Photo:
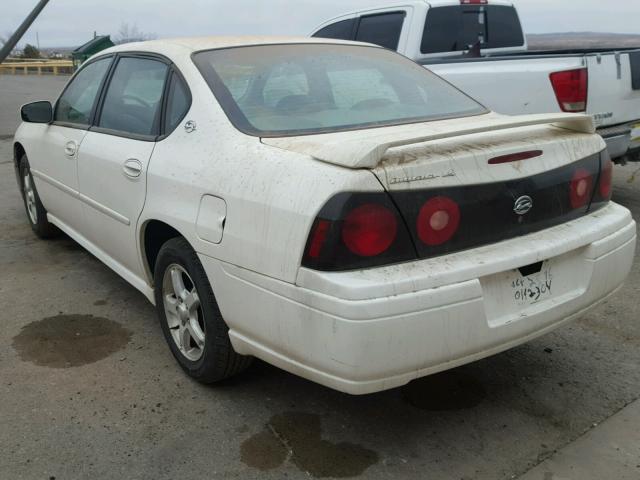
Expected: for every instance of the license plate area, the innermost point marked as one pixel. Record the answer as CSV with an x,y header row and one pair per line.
x,y
522,292
531,287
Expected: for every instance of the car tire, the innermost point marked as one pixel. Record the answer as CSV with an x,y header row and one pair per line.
x,y
193,325
36,213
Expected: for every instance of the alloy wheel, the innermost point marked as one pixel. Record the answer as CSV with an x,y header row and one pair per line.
x,y
30,198
183,312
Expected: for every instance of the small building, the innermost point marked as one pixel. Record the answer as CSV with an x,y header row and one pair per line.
x,y
93,46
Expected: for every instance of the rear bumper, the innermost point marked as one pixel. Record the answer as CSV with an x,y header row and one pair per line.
x,y
618,139
371,330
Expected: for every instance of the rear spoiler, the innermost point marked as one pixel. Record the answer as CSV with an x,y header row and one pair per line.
x,y
366,148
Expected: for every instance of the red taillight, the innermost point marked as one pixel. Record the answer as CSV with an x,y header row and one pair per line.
x,y
571,88
318,237
581,188
369,230
606,180
474,2
356,230
438,221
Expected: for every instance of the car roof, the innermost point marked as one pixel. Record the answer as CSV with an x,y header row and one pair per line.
x,y
193,44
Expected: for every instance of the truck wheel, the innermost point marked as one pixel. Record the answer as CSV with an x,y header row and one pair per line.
x,y
190,317
36,213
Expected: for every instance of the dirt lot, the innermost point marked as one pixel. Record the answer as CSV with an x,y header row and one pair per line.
x,y
108,400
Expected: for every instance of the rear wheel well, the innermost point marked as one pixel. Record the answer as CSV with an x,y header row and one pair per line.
x,y
18,152
156,234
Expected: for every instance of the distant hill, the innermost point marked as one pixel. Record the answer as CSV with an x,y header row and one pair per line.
x,y
556,41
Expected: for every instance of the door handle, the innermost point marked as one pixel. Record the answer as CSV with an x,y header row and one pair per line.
x,y
70,148
132,168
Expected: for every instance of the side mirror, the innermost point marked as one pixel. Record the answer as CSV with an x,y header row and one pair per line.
x,y
37,112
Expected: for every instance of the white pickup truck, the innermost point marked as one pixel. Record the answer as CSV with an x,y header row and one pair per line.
x,y
480,47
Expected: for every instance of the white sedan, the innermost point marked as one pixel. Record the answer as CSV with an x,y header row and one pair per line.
x,y
329,207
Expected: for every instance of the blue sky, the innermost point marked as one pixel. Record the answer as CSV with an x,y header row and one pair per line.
x,y
72,22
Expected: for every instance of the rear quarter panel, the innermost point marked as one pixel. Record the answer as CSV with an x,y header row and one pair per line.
x,y
272,196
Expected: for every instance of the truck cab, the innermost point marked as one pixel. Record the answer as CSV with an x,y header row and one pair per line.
x,y
422,30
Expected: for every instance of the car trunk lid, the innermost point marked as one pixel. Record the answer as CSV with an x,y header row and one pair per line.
x,y
468,182
366,148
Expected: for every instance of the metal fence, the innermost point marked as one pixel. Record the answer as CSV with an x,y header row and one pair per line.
x,y
28,66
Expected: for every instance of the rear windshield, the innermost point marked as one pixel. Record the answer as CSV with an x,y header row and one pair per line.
x,y
295,89
457,28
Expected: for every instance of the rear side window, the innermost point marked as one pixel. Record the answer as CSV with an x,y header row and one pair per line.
x,y
77,101
383,29
457,28
133,99
178,103
342,30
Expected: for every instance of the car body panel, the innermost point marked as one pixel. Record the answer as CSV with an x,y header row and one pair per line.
x,y
357,331
54,167
112,199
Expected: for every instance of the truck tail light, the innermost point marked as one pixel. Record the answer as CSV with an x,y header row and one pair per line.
x,y
581,188
571,89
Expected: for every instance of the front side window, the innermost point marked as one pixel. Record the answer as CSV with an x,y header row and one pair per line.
x,y
383,29
293,89
76,103
132,104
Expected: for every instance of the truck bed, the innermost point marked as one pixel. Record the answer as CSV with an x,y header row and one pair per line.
x,y
541,54
519,83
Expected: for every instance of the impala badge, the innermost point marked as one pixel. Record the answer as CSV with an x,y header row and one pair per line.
x,y
523,205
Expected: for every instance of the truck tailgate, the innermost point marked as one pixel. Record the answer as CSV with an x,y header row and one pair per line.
x,y
612,97
509,85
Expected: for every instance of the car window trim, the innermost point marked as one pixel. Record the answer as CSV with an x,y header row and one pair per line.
x,y
119,133
175,71
82,126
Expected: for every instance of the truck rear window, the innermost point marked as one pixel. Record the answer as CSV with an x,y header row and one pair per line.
x,y
295,89
457,28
